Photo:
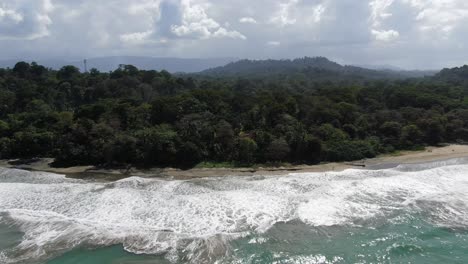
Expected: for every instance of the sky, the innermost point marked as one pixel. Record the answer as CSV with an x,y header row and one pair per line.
x,y
412,34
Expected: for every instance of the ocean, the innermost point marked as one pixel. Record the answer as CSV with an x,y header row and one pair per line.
x,y
406,214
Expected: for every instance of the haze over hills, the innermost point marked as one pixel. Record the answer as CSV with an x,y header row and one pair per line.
x,y
106,64
380,67
316,67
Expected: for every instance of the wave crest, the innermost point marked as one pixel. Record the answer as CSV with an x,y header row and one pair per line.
x,y
194,220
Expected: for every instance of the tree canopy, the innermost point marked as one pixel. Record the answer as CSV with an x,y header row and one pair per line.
x,y
156,119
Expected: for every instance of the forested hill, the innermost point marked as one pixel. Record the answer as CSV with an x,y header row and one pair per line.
x,y
454,76
317,68
155,119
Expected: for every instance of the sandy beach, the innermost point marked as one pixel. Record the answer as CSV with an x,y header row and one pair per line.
x,y
404,157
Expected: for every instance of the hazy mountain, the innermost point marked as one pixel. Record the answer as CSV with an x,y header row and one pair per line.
x,y
317,67
106,64
379,67
313,67
401,71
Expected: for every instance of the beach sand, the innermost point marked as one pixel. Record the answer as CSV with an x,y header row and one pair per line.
x,y
405,157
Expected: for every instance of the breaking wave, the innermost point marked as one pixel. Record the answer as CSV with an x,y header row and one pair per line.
x,y
195,220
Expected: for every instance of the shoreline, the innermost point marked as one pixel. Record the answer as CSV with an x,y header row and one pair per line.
x,y
429,154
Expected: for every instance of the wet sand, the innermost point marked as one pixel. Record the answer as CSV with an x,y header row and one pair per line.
x,y
404,157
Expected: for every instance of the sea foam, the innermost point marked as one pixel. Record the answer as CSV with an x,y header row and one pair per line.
x,y
194,220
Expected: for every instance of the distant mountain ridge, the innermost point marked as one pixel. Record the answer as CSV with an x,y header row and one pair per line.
x,y
106,64
311,66
379,67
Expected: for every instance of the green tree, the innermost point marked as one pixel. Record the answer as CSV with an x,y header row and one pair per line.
x,y
21,69
391,132
278,150
308,150
246,149
349,150
411,136
157,145
328,132
68,73
223,140
5,148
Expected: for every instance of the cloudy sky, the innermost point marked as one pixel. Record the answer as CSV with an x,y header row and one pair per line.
x,y
422,34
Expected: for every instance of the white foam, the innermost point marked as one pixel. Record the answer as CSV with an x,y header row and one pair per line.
x,y
312,259
283,258
432,165
198,217
23,176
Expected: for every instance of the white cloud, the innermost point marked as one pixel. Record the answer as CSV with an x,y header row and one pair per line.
x,y
197,28
140,7
222,32
136,37
273,43
379,11
385,35
22,19
248,20
283,16
197,24
318,12
10,14
440,16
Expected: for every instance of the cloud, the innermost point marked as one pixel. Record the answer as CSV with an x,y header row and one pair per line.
x,y
24,19
441,16
385,35
379,13
197,24
422,32
136,37
273,43
10,14
318,12
222,32
248,20
283,16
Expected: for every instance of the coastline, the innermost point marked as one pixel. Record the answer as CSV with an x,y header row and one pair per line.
x,y
429,154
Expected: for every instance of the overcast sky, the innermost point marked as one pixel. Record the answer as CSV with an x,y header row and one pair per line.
x,y
422,34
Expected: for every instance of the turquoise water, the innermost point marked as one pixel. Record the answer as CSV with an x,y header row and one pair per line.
x,y
412,241
111,255
409,214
